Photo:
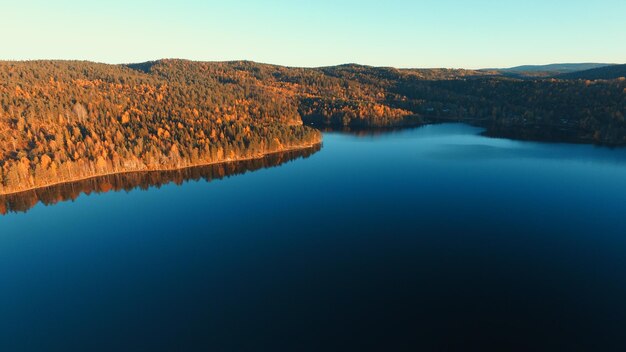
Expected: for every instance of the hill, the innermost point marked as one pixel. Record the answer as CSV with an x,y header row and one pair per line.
x,y
68,120
609,72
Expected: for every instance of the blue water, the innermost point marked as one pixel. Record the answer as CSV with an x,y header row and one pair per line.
x,y
434,238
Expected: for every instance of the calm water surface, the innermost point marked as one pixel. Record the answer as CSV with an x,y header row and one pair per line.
x,y
434,238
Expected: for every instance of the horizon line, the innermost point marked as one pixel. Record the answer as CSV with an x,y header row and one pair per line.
x,y
314,67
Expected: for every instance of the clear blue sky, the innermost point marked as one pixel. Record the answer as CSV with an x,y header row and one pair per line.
x,y
401,33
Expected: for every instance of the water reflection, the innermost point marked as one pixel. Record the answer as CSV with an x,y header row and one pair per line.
x,y
367,131
24,201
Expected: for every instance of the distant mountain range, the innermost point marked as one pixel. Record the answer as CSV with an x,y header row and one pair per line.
x,y
560,68
606,72
547,71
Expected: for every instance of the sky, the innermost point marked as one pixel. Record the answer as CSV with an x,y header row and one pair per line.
x,y
399,33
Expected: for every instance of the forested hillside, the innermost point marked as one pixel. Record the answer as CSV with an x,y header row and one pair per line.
x,y
587,111
67,120
62,121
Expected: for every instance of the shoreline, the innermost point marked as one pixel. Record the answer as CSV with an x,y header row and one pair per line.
x,y
530,133
161,169
488,132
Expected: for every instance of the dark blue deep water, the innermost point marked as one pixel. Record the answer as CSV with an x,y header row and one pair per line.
x,y
434,238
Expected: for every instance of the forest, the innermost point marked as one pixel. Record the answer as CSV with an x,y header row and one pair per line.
x,y
69,120
64,121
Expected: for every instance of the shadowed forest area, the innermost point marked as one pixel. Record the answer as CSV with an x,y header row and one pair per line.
x,y
69,120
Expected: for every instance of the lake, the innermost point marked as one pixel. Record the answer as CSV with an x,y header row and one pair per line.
x,y
434,238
